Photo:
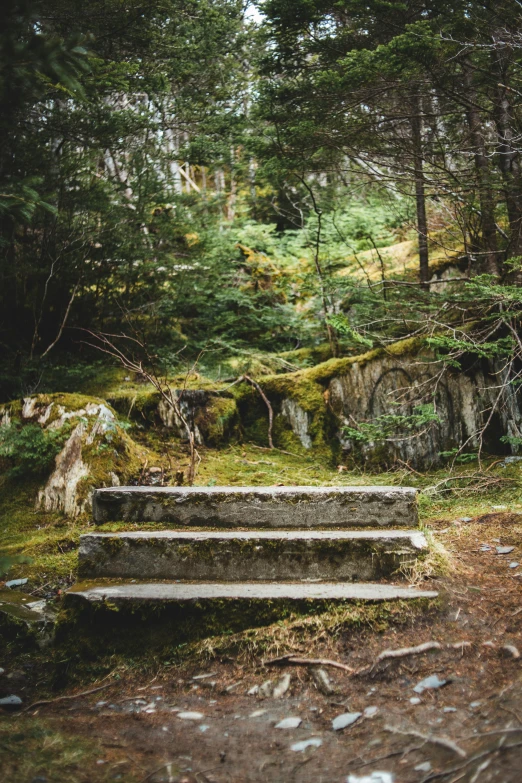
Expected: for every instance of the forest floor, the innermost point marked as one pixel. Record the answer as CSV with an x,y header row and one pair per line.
x,y
469,729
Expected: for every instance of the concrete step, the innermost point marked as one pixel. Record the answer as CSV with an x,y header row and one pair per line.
x,y
237,556
134,616
259,507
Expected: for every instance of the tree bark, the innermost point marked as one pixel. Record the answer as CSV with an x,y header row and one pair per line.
x,y
420,191
482,167
507,155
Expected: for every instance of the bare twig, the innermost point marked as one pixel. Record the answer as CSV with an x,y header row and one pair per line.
x,y
44,702
444,742
265,399
105,344
406,651
62,325
296,661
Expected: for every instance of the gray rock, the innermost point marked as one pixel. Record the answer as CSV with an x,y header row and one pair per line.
x,y
254,690
415,700
429,683
281,686
369,712
11,702
190,715
345,720
449,709
504,550
289,723
265,690
313,742
373,777
322,681
514,564
16,582
424,767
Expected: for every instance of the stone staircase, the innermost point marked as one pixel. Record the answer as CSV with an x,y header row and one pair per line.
x,y
217,559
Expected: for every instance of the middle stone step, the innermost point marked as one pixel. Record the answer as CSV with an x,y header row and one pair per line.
x,y
246,556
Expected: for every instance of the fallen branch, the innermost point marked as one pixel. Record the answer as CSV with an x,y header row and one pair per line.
x,y
295,661
444,742
406,651
44,702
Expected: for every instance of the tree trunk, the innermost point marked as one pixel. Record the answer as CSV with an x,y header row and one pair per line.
x,y
507,156
482,167
420,193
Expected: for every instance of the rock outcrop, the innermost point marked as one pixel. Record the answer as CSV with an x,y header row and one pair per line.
x,y
94,448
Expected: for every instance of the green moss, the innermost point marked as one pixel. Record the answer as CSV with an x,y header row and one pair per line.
x,y
86,628
31,746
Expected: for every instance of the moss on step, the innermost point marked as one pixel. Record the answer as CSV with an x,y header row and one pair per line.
x,y
84,629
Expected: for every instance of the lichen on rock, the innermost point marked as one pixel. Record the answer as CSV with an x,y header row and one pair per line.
x,y
94,449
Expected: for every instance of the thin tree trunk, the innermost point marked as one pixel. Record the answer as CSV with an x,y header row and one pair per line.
x,y
482,167
420,192
507,155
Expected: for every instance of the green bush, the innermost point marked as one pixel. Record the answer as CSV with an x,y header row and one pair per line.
x,y
29,449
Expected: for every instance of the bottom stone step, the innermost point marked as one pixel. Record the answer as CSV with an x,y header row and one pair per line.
x,y
127,616
160,592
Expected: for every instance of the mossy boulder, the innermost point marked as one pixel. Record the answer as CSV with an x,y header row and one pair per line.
x,y
76,443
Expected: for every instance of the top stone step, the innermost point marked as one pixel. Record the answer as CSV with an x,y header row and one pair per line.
x,y
259,507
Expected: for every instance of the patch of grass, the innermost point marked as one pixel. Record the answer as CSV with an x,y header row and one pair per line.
x,y
299,634
33,747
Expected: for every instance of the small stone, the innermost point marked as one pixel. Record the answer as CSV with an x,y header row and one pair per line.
x,y
204,727
289,723
373,777
369,712
254,690
449,709
16,582
313,742
190,715
415,700
514,564
257,713
204,676
322,681
265,690
232,687
499,508
424,767
101,703
475,704
2,671
504,550
429,683
345,720
485,548
510,651
10,702
281,686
